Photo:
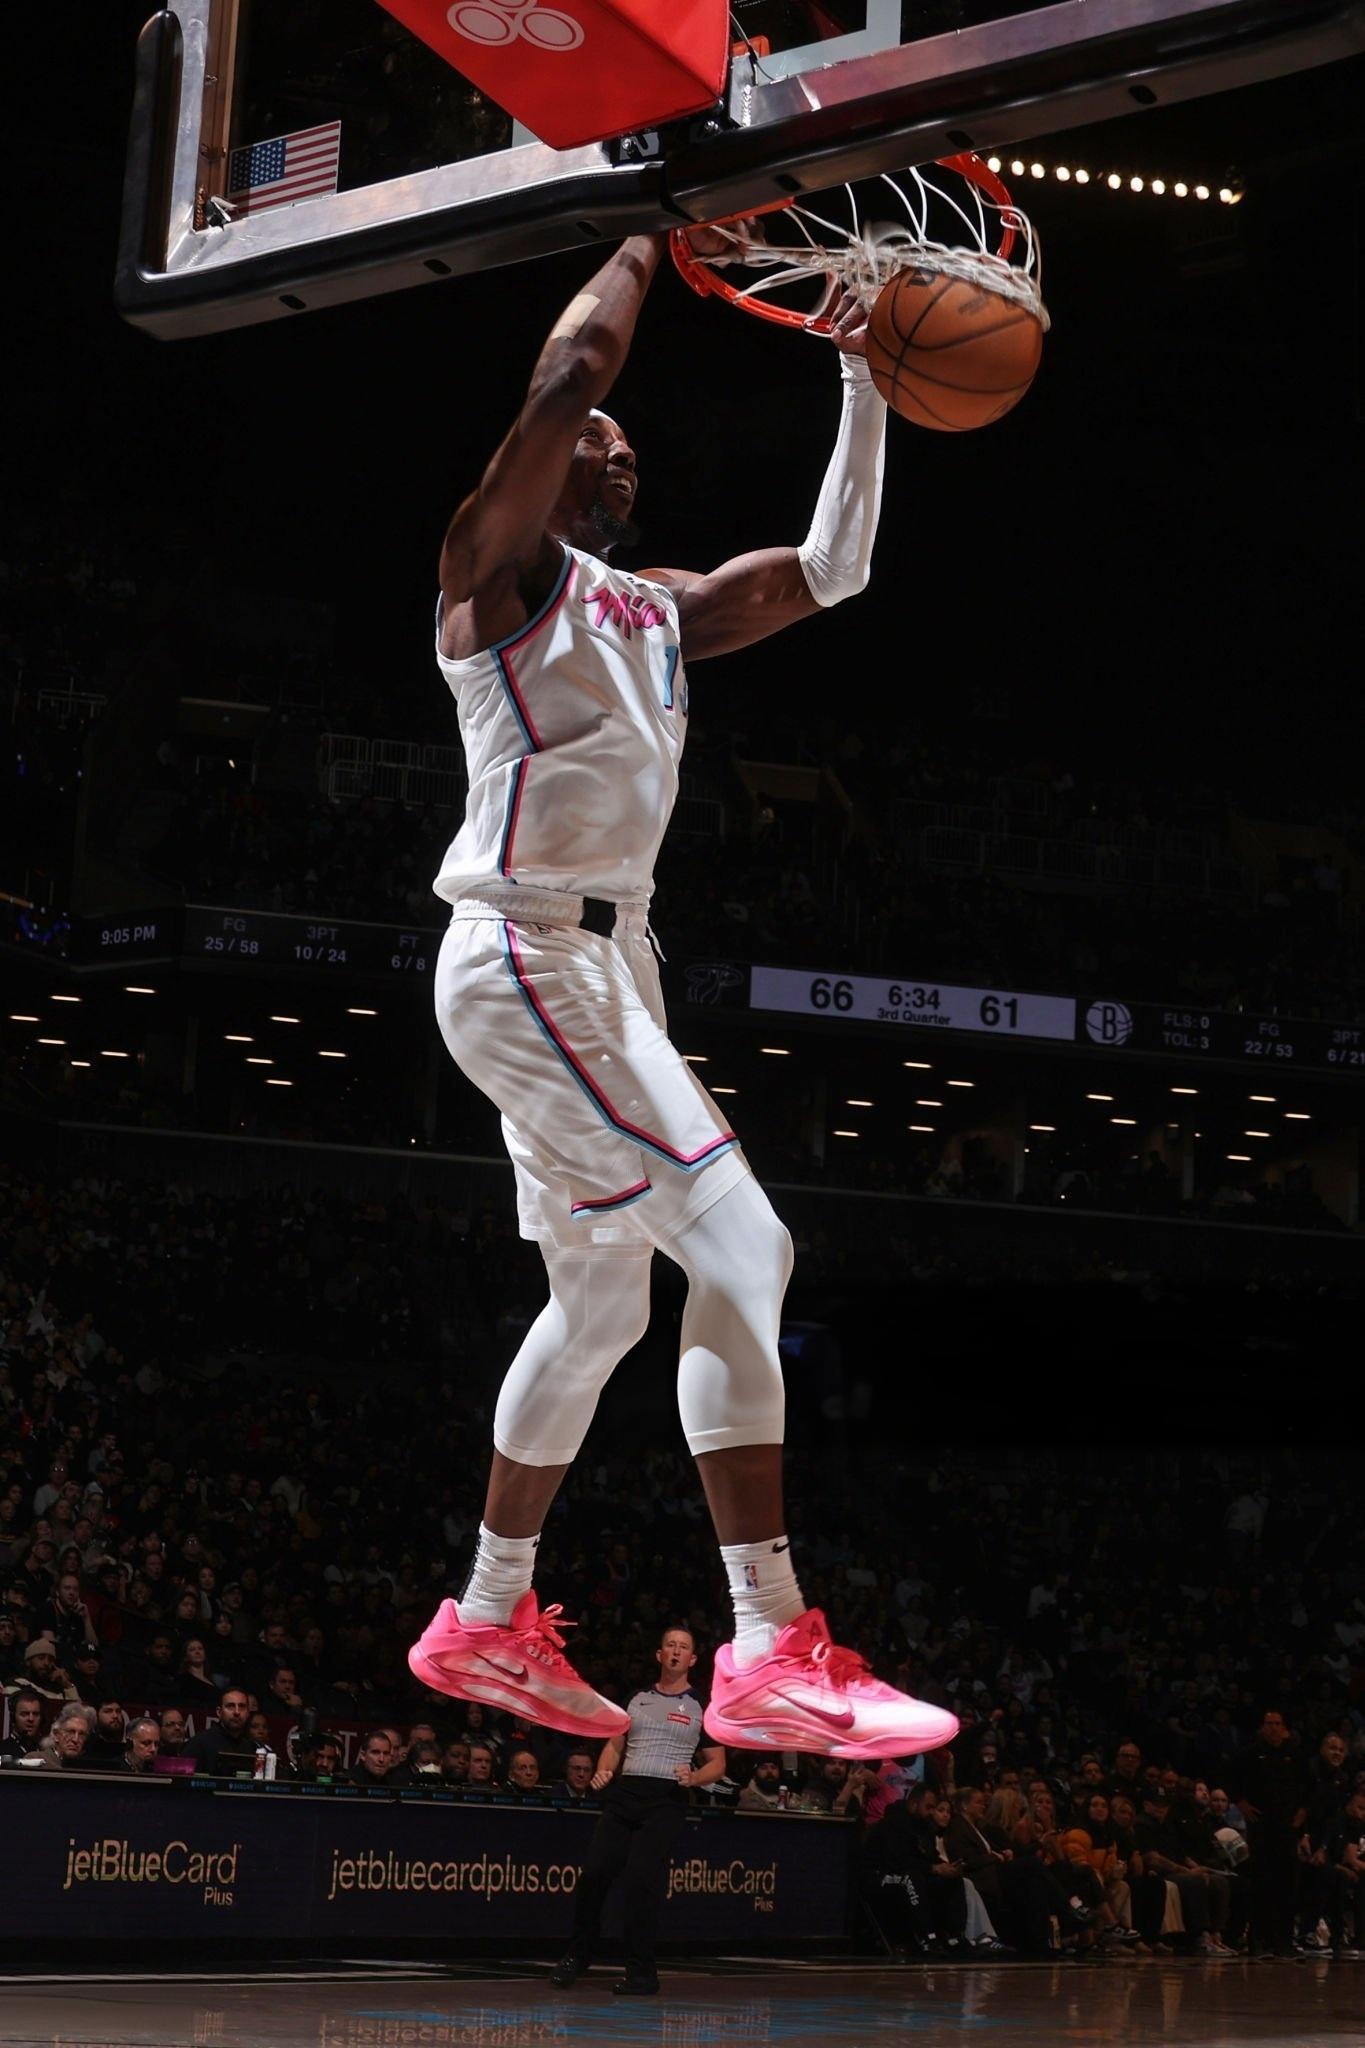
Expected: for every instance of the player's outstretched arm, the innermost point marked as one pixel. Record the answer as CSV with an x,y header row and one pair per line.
x,y
502,523
753,595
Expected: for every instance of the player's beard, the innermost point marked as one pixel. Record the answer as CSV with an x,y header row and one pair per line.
x,y
611,530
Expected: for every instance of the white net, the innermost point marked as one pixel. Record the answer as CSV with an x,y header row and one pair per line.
x,y
798,247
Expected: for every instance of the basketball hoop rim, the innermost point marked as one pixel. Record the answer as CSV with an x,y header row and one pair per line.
x,y
698,272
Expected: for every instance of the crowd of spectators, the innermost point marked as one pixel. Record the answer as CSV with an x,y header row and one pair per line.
x,y
762,893
217,1546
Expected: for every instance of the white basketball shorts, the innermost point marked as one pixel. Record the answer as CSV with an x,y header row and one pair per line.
x,y
613,1138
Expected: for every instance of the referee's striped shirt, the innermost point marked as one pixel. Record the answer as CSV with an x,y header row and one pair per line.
x,y
665,1731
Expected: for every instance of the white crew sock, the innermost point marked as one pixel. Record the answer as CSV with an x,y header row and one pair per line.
x,y
500,1574
766,1596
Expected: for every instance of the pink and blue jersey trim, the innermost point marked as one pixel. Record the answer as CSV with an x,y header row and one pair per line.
x,y
689,1162
504,653
600,1204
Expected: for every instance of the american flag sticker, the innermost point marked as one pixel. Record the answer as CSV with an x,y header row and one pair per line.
x,y
751,1574
284,169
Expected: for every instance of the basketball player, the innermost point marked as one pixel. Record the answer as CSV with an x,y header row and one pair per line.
x,y
644,1778
568,677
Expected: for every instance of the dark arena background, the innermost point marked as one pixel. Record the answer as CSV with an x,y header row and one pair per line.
x,y
1014,912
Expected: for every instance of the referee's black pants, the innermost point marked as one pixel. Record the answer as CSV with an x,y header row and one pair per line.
x,y
640,1821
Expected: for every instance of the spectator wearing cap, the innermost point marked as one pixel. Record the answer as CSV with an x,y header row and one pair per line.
x,y
25,1727
143,1745
63,1747
1204,1895
764,1792
87,1673
46,1676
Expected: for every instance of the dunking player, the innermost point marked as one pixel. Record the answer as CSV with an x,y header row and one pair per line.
x,y
568,678
643,1777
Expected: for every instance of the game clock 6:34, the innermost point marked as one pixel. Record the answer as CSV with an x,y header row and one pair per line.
x,y
917,1004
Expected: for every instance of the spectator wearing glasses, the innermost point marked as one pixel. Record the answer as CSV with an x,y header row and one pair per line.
x,y
63,1747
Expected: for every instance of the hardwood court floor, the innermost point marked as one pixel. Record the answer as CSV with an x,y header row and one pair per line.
x,y
730,2005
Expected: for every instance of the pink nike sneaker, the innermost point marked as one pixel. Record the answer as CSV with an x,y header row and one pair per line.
x,y
807,1693
520,1668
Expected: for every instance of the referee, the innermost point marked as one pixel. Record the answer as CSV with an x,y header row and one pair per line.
x,y
643,1810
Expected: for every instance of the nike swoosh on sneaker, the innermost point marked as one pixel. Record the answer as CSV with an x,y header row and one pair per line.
x,y
840,1720
516,1672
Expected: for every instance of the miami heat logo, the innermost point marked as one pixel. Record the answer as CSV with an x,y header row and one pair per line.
x,y
501,21
624,610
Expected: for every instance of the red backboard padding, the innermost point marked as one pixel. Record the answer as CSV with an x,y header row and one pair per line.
x,y
575,71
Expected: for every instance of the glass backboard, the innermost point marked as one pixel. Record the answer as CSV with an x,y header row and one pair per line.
x,y
287,155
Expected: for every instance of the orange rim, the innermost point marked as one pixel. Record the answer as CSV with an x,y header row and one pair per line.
x,y
697,272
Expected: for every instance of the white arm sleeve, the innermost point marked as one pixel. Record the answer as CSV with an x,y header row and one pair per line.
x,y
836,555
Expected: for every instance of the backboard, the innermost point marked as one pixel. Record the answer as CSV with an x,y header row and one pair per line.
x,y
288,156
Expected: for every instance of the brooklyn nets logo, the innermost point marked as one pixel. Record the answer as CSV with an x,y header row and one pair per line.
x,y
494,22
712,981
1109,1023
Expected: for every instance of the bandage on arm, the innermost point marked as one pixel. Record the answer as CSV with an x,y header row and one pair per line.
x,y
836,555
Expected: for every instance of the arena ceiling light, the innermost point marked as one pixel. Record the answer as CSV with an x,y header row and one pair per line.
x,y
1184,1091
1099,1098
51,1041
1297,1116
777,1052
929,1129
22,1017
846,1134
1230,193
132,989
1242,1158
82,1063
1042,1127
239,1038
255,1060
1129,1120
959,1084
330,1055
288,1020
926,1102
725,1091
858,1102
1262,1098
351,1011
923,1066
1255,1134
272,1081
697,1059
66,999
111,1052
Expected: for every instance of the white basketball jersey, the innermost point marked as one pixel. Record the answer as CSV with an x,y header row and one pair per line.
x,y
573,728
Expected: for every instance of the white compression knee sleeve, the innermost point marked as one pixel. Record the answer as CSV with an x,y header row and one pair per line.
x,y
737,1257
598,1309
836,555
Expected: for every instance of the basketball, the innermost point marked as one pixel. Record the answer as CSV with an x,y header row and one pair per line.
x,y
949,354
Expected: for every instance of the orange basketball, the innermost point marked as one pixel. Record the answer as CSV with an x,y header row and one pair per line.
x,y
949,354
